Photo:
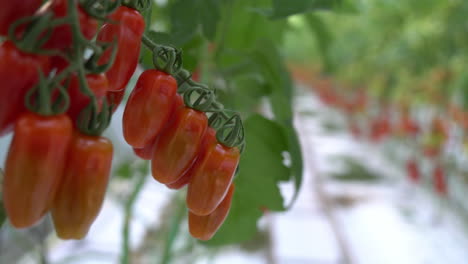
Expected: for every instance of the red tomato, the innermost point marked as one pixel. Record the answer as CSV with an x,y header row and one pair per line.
x,y
10,12
115,98
212,174
208,138
178,145
440,184
97,83
34,166
82,190
413,171
148,108
146,153
204,227
62,38
126,27
19,72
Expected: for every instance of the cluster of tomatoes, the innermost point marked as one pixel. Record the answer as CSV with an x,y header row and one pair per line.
x,y
57,161
59,101
182,148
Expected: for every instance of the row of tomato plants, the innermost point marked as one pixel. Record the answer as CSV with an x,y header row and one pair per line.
x,y
376,121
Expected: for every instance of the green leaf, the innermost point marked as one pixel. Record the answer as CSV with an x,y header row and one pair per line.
x,y
270,61
285,8
261,170
210,15
323,38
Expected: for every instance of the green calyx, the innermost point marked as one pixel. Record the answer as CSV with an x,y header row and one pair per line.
x,y
140,5
99,9
43,100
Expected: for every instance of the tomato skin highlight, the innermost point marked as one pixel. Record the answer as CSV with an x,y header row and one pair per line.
x,y
211,176
10,12
82,190
34,166
148,108
97,83
204,227
178,145
126,27
19,72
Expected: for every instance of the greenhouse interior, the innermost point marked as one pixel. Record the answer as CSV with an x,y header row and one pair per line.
x,y
233,131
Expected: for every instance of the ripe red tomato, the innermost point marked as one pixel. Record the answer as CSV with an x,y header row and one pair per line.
x,y
10,12
115,98
440,185
208,138
97,83
146,153
412,170
19,72
178,145
126,27
34,166
204,227
62,37
81,192
211,176
148,108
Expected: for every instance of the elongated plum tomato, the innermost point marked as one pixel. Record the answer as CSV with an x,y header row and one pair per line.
x,y
211,176
10,12
34,166
148,108
81,193
208,138
19,72
98,85
146,153
178,145
126,26
204,227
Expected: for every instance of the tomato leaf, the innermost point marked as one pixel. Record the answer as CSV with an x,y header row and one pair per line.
x,y
285,8
209,11
271,64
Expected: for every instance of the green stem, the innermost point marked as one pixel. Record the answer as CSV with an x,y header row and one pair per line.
x,y
128,212
173,230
